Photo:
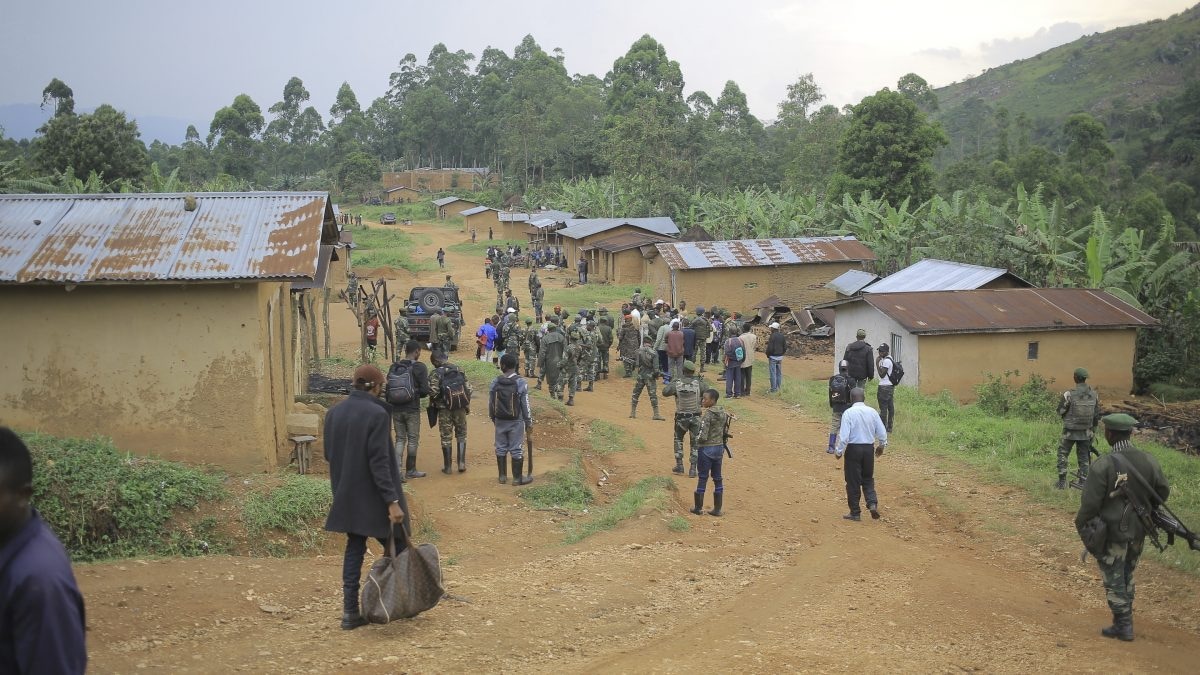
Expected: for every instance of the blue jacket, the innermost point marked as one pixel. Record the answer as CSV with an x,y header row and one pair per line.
x,y
41,609
490,331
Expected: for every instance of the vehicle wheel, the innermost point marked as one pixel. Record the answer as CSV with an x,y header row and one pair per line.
x,y
431,299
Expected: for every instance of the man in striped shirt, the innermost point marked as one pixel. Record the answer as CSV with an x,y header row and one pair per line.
x,y
861,428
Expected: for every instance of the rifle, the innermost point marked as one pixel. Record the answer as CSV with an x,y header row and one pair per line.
x,y
1077,482
725,435
1153,517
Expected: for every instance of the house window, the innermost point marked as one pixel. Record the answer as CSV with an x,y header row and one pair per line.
x,y
1032,351
897,343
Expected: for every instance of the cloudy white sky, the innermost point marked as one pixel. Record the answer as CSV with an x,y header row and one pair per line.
x,y
185,59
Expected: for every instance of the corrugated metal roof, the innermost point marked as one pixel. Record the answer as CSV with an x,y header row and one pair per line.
x,y
628,240
762,252
403,187
538,219
513,217
475,209
449,200
150,237
851,281
1008,310
931,274
578,228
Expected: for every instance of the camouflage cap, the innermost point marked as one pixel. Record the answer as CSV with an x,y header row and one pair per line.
x,y
528,320
1119,422
689,367
1082,374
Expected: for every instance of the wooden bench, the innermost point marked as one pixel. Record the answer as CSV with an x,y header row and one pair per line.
x,y
302,452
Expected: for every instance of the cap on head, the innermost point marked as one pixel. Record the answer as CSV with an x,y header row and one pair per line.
x,y
844,365
528,320
861,333
775,325
637,290
689,367
884,348
1082,374
511,311
1119,422
699,310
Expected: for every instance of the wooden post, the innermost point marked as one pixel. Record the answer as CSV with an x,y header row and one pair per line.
x,y
312,326
325,318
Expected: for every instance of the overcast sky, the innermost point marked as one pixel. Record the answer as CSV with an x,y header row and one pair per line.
x,y
187,59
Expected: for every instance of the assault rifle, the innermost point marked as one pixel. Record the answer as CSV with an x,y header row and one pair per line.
x,y
725,435
1156,516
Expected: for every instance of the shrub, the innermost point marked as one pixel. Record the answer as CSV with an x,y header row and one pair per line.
x,y
1031,400
295,508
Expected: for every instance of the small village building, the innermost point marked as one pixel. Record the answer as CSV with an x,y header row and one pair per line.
x,y
623,258
402,195
164,321
580,235
452,206
737,274
951,340
480,218
459,179
543,227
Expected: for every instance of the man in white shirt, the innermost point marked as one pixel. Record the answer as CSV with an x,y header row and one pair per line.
x,y
861,428
887,405
750,340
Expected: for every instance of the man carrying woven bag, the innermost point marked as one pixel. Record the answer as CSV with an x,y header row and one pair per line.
x,y
402,585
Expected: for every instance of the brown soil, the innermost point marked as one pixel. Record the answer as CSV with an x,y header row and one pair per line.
x,y
959,574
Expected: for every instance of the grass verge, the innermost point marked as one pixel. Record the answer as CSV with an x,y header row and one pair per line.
x,y
650,492
589,296
679,524
565,488
294,508
607,438
379,247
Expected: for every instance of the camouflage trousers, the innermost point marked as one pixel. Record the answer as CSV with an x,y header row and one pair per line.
x,y
603,360
588,369
686,423
537,310
647,382
452,423
627,361
1117,570
443,345
571,375
530,359
1083,450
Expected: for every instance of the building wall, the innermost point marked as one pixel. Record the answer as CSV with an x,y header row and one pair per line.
x,y
627,267
437,180
404,197
571,246
481,222
740,288
959,362
454,208
880,328
515,232
197,372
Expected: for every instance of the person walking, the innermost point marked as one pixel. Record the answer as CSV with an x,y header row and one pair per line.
x,y
371,331
529,346
41,609
1080,413
647,374
703,329
687,390
1124,473
511,414
675,350
472,235
441,258
750,341
450,397
734,352
550,359
604,342
840,385
776,348
572,359
407,383
860,429
661,328
364,475
486,337
401,325
714,433
885,395
627,344
441,331
862,362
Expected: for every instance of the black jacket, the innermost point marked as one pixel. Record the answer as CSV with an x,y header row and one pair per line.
x,y
860,359
776,344
362,466
420,378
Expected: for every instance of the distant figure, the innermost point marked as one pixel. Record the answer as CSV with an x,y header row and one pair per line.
x,y
489,233
884,365
839,399
472,235
372,330
776,348
441,257
750,342
1079,409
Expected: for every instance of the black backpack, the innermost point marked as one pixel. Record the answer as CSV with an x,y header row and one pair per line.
x,y
455,395
504,404
839,390
897,373
400,389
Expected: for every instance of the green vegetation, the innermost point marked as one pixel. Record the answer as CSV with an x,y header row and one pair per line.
x,y
1012,451
106,504
1170,393
587,296
379,247
1031,400
427,532
679,524
648,492
606,438
566,488
295,508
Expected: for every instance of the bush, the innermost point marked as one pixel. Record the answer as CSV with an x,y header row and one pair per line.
x,y
1032,400
294,508
104,504
566,488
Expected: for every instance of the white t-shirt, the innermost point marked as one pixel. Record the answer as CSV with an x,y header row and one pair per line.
x,y
885,364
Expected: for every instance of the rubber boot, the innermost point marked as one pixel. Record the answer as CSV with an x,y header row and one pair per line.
x,y
589,387
698,509
832,440
691,470
718,497
571,400
657,416
446,459
462,456
1062,482
519,477
502,466
1122,628
538,386
678,466
633,411
410,466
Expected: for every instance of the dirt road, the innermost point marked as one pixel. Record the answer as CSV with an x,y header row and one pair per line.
x,y
958,575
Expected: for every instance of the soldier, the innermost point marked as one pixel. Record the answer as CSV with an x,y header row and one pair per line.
x,y
703,331
534,281
604,342
511,330
590,354
511,301
714,426
402,336
529,340
450,284
628,340
687,392
495,271
450,395
636,300
572,358
505,267
1080,412
550,360
647,374
537,295
352,289
1105,496
441,331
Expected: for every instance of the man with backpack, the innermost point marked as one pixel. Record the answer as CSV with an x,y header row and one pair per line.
x,y
858,355
407,383
509,410
735,353
839,399
885,366
450,397
646,362
1080,413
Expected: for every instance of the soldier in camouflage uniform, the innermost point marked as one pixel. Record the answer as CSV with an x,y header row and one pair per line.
x,y
572,359
352,289
534,281
537,295
1079,409
505,269
512,334
687,392
703,329
647,374
495,272
604,342
452,424
402,336
529,340
450,284
550,360
628,339
590,354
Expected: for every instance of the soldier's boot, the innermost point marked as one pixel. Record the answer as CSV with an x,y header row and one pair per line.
x,y
1062,482
589,387
538,386
410,466
692,470
698,509
519,477
446,459
718,498
502,467
633,410
571,399
1122,628
462,455
832,440
656,415
678,466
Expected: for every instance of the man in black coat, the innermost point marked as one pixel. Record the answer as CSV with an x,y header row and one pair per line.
x,y
368,500
861,359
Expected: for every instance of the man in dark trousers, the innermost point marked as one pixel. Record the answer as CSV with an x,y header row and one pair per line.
x,y
41,609
862,361
1105,498
860,429
368,499
406,417
776,348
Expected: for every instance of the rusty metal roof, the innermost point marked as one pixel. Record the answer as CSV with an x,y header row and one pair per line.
x,y
1008,310
932,274
151,237
763,252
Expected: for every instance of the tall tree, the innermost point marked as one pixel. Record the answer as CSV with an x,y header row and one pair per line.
x,y
233,136
60,96
103,142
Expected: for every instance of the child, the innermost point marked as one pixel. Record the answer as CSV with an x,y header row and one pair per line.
x,y
714,431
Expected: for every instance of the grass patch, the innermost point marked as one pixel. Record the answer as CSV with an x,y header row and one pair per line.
x,y
103,503
427,531
565,488
650,491
378,247
607,438
294,508
590,296
679,524
1169,393
1012,451
422,210
479,374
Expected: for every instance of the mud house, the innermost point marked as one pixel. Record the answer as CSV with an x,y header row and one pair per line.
x,y
402,195
161,320
623,258
737,274
442,180
950,340
580,235
452,206
481,218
